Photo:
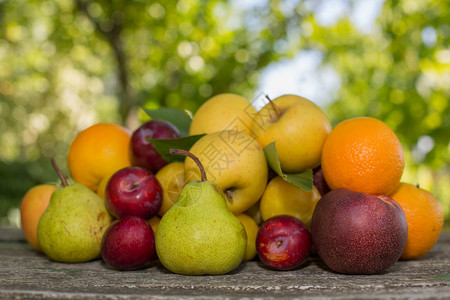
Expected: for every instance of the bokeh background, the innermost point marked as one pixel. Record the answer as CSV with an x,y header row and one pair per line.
x,y
67,64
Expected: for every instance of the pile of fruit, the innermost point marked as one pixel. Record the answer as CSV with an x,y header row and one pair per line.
x,y
232,184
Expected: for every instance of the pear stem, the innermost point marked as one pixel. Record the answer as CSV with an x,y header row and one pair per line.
x,y
193,157
274,107
58,171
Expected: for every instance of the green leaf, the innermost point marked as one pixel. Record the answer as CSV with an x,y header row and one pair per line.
x,y
179,118
303,180
163,146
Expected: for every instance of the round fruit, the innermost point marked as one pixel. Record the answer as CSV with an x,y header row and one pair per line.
x,y
143,153
283,198
133,191
251,228
233,160
171,179
223,112
358,233
297,126
364,155
98,151
425,219
101,189
128,244
33,205
283,242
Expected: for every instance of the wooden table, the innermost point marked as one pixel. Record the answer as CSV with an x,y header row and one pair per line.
x,y
24,273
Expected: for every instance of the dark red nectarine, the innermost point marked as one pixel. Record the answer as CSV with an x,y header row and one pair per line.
x,y
358,233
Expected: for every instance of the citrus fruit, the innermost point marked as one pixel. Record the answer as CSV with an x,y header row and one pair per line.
x,y
33,205
98,151
424,216
363,155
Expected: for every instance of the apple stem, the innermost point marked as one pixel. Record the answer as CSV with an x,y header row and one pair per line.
x,y
58,171
193,157
274,107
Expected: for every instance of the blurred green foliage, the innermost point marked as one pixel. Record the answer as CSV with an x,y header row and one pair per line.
x,y
66,64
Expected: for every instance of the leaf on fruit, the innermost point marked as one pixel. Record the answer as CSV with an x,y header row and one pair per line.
x,y
303,180
163,146
179,118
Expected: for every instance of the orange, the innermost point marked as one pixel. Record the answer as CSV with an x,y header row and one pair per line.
x,y
424,216
364,155
98,151
33,205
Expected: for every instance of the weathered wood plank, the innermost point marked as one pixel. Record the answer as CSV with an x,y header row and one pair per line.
x,y
24,273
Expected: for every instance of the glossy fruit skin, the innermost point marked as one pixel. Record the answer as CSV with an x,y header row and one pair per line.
x,y
128,244
358,233
283,242
236,162
298,126
251,228
143,154
171,179
283,198
225,111
133,191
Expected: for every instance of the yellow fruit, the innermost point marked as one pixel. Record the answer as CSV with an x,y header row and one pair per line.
x,y
223,112
233,160
251,228
424,216
171,179
98,151
102,185
283,198
297,126
154,222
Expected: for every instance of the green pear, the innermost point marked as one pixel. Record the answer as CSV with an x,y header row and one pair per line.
x,y
72,226
199,235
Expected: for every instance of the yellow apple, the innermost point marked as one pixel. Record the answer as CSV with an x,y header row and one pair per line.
x,y
297,126
283,198
223,112
33,205
233,160
171,179
251,228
